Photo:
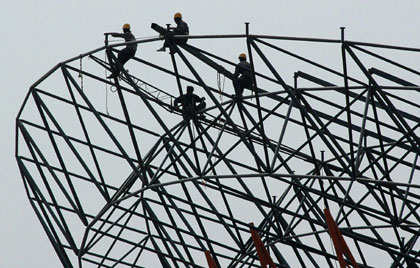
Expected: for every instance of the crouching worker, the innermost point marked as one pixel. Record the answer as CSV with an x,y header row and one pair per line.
x,y
191,103
180,29
242,77
126,53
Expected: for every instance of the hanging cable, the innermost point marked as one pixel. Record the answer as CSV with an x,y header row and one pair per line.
x,y
80,72
252,91
106,89
106,98
221,86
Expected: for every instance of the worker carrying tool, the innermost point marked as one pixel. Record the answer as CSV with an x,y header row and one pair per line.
x,y
189,103
126,53
242,77
180,29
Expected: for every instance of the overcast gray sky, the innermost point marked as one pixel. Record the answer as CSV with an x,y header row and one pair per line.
x,y
36,35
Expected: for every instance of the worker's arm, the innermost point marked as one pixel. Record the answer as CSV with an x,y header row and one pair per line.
x,y
237,71
197,99
177,101
121,35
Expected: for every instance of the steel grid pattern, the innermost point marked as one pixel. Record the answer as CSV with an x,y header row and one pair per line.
x,y
141,186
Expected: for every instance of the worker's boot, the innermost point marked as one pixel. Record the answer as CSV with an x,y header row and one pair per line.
x,y
162,49
172,50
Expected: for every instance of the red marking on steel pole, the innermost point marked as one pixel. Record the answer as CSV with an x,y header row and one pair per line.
x,y
262,252
340,245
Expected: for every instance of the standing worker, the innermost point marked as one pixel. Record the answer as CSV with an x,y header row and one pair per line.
x,y
126,53
180,29
189,101
242,77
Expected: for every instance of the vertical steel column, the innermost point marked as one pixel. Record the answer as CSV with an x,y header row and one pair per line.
x,y
254,88
346,85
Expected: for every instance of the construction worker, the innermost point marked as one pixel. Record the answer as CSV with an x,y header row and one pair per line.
x,y
126,53
180,29
242,77
189,103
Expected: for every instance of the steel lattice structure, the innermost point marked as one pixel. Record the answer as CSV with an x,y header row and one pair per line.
x,y
125,181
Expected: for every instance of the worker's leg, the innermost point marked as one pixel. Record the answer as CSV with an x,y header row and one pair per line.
x,y
238,89
188,111
244,82
182,41
123,56
175,42
168,41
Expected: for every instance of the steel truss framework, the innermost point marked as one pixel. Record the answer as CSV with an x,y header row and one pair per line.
x,y
143,187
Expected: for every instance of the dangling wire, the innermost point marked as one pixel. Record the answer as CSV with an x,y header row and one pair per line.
x,y
106,87
253,88
106,99
106,94
221,86
80,72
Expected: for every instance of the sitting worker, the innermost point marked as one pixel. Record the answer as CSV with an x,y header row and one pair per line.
x,y
189,101
126,53
180,29
242,77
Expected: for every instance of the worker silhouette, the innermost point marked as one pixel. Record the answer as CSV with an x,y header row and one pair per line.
x,y
242,77
180,29
191,103
126,53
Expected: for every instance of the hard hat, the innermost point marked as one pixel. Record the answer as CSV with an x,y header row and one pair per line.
x,y
242,56
190,88
126,26
178,15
